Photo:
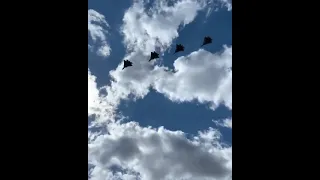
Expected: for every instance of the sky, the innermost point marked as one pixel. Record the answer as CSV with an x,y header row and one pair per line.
x,y
168,119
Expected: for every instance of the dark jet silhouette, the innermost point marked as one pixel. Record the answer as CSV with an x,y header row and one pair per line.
x,y
206,40
126,63
179,47
154,55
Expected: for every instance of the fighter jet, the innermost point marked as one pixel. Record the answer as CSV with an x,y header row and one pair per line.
x,y
206,40
179,47
126,63
154,55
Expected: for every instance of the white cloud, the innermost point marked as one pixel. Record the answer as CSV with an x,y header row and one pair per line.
x,y
153,154
97,29
215,5
146,29
104,50
98,104
225,123
227,3
202,76
93,94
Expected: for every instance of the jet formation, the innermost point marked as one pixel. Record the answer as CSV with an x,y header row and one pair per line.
x,y
179,48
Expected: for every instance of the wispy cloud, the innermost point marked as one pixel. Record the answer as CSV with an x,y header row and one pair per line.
x,y
224,123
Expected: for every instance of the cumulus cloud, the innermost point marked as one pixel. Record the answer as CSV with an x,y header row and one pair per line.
x,y
100,105
93,94
97,29
133,152
202,76
146,29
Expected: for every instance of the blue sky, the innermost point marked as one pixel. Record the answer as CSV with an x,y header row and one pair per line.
x,y
145,103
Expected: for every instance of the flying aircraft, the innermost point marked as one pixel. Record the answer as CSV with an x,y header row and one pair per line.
x,y
206,40
154,55
179,47
126,63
